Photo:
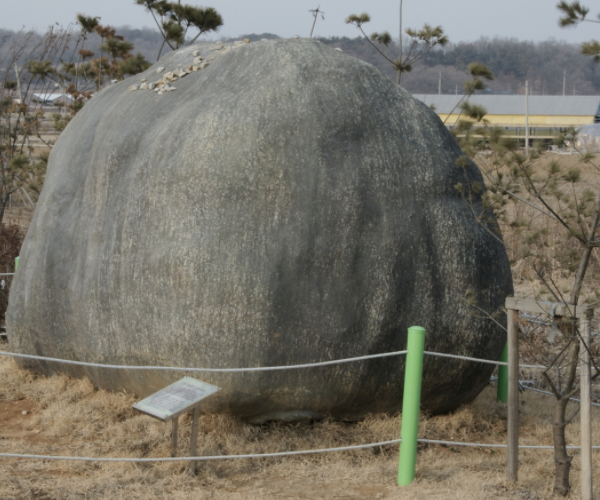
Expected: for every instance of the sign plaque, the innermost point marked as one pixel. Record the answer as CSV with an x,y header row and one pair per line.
x,y
176,399
172,402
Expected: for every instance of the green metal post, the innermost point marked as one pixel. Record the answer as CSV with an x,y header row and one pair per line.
x,y
502,390
16,263
411,405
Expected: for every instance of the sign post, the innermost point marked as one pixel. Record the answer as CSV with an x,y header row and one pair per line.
x,y
170,403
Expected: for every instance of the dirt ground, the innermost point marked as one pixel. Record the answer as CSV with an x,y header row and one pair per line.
x,y
70,417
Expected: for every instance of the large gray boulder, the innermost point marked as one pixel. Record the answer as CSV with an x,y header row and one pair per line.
x,y
285,204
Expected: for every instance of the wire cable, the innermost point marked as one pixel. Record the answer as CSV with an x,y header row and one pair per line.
x,y
212,370
277,454
213,457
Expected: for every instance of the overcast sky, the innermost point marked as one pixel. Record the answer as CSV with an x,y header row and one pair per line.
x,y
462,20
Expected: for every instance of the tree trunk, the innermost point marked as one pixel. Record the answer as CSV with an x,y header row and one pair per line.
x,y
2,208
398,75
562,461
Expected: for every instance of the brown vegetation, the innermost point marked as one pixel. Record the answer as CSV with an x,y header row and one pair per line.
x,y
515,237
69,417
11,237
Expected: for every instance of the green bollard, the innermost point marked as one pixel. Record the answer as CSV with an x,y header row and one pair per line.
x,y
502,390
411,405
16,263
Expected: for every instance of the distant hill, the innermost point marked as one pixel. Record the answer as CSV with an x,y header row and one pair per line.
x,y
512,61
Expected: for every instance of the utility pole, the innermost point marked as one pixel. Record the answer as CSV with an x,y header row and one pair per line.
x,y
565,81
21,101
456,89
316,13
400,44
526,117
440,84
18,83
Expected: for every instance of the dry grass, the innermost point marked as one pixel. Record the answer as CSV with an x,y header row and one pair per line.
x,y
20,215
70,417
525,281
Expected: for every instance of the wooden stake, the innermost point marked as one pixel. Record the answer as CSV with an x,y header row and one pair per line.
x,y
194,440
174,433
586,411
28,197
512,462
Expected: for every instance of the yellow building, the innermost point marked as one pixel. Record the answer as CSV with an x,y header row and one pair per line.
x,y
548,115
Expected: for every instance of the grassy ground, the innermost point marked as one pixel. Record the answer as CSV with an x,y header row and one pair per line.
x,y
20,215
70,417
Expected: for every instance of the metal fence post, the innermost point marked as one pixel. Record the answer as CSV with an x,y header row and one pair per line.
x,y
16,263
502,389
411,405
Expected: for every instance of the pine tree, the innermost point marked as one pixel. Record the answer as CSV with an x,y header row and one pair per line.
x,y
174,20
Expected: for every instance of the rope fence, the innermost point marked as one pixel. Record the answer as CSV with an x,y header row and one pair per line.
x,y
211,370
490,445
257,368
405,476
550,394
207,457
488,361
508,391
466,358
272,368
276,454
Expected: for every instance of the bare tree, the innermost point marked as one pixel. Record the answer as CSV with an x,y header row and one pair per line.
x,y
550,214
35,66
21,115
421,43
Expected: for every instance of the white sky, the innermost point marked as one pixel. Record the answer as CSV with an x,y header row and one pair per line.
x,y
462,20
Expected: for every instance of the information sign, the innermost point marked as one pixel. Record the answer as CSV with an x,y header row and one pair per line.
x,y
176,399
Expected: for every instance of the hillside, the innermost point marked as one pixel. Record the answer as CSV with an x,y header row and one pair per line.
x,y
512,61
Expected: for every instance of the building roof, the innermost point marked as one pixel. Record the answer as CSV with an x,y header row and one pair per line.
x,y
51,96
557,105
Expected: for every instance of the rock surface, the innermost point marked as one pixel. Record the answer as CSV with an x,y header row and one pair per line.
x,y
288,204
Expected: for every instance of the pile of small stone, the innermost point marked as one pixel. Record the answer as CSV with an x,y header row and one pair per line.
x,y
164,84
